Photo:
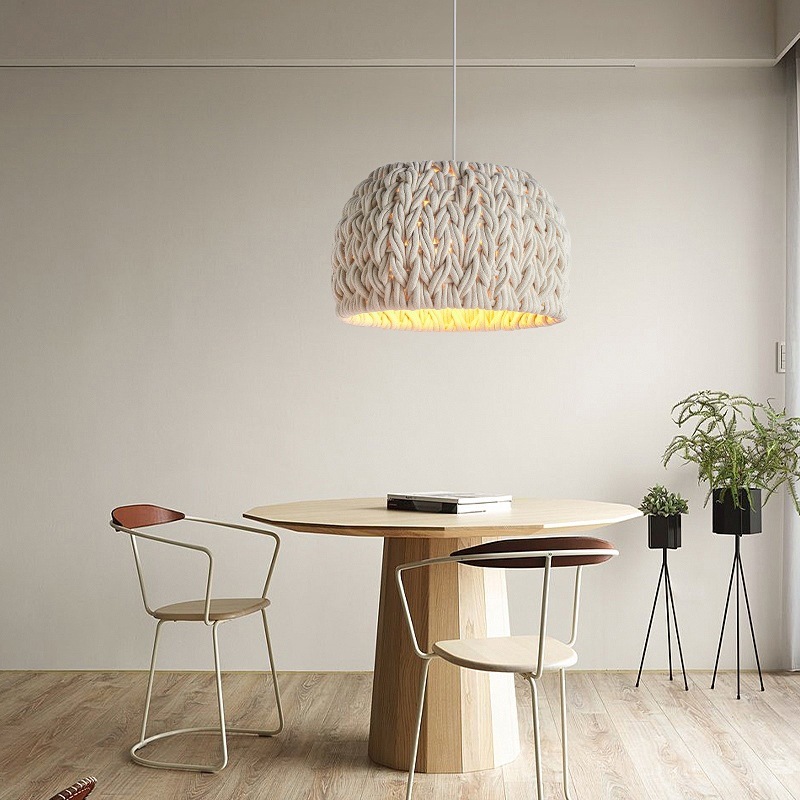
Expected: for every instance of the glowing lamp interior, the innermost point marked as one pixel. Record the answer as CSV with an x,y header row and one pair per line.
x,y
451,319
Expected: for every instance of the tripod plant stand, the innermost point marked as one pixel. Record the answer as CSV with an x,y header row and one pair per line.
x,y
740,448
669,603
738,521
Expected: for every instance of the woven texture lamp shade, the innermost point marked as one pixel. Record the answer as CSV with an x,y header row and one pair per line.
x,y
446,245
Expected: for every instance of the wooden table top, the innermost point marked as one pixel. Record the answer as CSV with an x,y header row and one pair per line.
x,y
368,516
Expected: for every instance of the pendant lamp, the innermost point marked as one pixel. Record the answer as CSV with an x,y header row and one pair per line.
x,y
450,246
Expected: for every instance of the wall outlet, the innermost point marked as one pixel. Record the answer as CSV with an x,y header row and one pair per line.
x,y
780,356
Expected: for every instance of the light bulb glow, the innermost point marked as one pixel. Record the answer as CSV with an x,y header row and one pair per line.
x,y
451,319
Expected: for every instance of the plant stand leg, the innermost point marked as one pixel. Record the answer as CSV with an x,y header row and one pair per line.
x,y
737,562
665,569
724,620
750,619
650,624
675,620
738,572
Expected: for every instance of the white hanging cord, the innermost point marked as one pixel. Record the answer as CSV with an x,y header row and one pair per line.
x,y
455,11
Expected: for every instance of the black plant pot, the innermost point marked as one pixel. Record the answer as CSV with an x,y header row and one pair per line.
x,y
726,518
664,532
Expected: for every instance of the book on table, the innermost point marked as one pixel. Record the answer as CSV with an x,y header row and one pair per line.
x,y
448,502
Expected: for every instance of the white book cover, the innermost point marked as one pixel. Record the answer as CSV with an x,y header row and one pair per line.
x,y
460,498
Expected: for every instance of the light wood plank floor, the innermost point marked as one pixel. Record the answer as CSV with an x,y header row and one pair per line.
x,y
654,743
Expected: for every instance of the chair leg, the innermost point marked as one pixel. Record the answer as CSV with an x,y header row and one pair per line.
x,y
415,742
222,730
218,678
275,688
537,738
146,740
150,681
564,746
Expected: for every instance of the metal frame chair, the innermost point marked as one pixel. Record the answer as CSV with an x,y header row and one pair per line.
x,y
533,553
211,612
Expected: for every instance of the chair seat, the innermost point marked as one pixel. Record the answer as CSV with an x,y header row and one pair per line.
x,y
223,608
506,653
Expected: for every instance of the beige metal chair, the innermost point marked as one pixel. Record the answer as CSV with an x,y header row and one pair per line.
x,y
209,610
528,656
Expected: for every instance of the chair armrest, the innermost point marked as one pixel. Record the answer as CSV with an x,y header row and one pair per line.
x,y
248,529
576,599
398,573
135,534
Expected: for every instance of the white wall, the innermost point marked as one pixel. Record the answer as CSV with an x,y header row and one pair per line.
x,y
167,334
81,30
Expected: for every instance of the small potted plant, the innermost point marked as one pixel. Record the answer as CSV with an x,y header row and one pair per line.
x,y
663,509
741,448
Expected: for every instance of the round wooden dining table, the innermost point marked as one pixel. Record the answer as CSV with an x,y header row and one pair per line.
x,y
470,720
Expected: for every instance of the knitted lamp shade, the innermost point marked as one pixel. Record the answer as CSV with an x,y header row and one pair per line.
x,y
450,246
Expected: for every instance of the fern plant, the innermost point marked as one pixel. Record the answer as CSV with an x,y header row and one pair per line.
x,y
737,445
659,502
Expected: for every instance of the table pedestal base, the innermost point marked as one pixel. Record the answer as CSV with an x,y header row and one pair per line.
x,y
470,720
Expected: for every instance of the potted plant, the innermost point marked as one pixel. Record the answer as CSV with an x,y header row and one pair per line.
x,y
741,448
663,509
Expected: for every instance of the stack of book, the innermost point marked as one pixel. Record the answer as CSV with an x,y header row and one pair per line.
x,y
448,502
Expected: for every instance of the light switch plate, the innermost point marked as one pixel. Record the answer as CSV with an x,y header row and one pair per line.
x,y
780,356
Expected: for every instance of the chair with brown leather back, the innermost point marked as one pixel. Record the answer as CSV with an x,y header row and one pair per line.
x,y
528,656
209,610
